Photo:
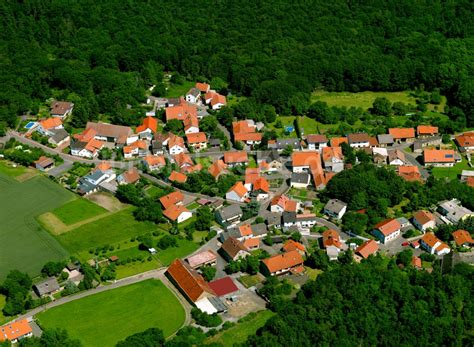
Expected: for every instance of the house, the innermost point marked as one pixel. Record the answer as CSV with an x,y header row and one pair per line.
x,y
453,211
416,262
261,189
193,95
180,111
424,220
90,183
335,209
246,131
217,101
183,161
176,145
282,203
117,134
338,141
217,169
316,142
89,149
282,263
48,125
179,177
154,162
409,173
44,163
358,140
191,124
252,243
423,142
215,144
439,157
197,141
305,161
282,144
259,230
251,175
207,257
130,176
269,160
426,130
385,140
238,193
463,238
233,249
138,148
465,142
396,157
59,138
174,198
331,242
192,285
223,286
367,249
147,128
402,134
290,219
203,87
333,159
373,142
273,220
291,245
239,233
177,213
430,243
61,109
387,230
46,287
229,215
300,180
15,331
236,158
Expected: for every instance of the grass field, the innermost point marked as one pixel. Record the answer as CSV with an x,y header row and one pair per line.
x,y
204,161
24,244
11,171
177,90
362,99
104,319
239,333
250,280
77,210
451,173
3,319
108,230
185,247
136,268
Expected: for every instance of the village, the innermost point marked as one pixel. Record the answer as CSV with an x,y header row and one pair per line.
x,y
266,211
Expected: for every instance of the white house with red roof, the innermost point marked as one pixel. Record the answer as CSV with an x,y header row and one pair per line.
x,y
237,193
387,230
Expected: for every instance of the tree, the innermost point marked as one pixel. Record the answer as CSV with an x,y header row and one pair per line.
x,y
204,319
16,288
129,193
174,126
53,268
381,106
159,89
208,272
405,257
152,337
51,338
167,241
355,222
318,260
287,151
204,218
296,236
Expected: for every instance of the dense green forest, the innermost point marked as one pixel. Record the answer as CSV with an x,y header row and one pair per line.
x,y
375,304
104,54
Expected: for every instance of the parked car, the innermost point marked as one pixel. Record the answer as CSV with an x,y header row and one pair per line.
x,y
404,244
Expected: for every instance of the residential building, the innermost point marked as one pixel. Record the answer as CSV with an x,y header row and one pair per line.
x,y
424,220
136,149
423,142
154,162
215,100
453,211
335,209
229,215
269,160
333,159
338,141
402,134
59,138
177,213
148,127
217,169
61,109
282,144
183,161
197,141
282,263
273,220
89,149
463,238
331,242
236,158
117,134
387,230
47,126
224,286
15,331
306,220
300,180
358,140
252,243
174,198
130,176
193,95
416,262
246,131
260,189
430,243
396,157
44,163
465,142
46,287
316,142
367,249
180,111
203,87
282,203
179,177
90,183
466,174
426,130
291,245
176,145
385,140
237,193
191,124
439,157
409,173
233,249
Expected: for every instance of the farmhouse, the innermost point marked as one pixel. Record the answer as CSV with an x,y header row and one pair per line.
x,y
439,157
246,131
237,193
424,220
15,331
387,230
335,208
147,128
223,286
282,263
260,189
110,133
385,140
430,243
61,109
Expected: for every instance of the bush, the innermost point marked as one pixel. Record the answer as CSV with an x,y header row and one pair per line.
x,y
204,319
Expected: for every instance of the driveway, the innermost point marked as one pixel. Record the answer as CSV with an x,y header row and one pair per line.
x,y
59,170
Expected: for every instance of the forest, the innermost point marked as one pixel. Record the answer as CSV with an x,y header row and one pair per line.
x,y
104,55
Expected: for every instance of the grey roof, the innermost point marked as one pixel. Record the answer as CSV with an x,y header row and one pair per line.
x,y
94,176
402,220
453,210
289,217
47,286
283,143
335,206
385,139
217,303
85,187
194,92
231,232
259,229
268,156
78,145
59,135
230,212
214,142
300,177
273,218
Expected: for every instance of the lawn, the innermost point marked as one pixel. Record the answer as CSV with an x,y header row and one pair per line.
x,y
185,248
8,170
312,273
104,319
192,206
308,126
3,319
285,121
452,173
250,280
177,90
204,161
239,333
109,230
78,210
362,99
24,244
154,191
136,268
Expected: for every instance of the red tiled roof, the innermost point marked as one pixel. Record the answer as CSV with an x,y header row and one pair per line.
x,y
15,330
462,236
245,230
416,262
337,141
402,133
148,123
174,211
217,168
331,238
155,160
50,123
242,127
223,286
426,130
182,159
243,137
251,175
235,157
438,156
180,111
465,140
178,177
252,242
409,173
172,199
190,121
203,87
470,182
388,226
175,141
332,152
218,99
367,248
306,158
131,175
292,245
283,261
103,166
239,188
189,280
423,217
261,184
196,137
86,135
430,239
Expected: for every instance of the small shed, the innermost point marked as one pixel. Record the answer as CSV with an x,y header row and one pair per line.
x,y
44,163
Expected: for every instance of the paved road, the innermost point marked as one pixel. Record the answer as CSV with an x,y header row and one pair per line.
x,y
411,157
59,170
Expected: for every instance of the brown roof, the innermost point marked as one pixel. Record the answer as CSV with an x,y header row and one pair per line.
x,y
308,158
465,140
358,137
182,159
462,236
218,99
416,262
316,138
252,242
423,217
367,248
131,175
388,226
61,107
154,160
283,261
189,280
109,130
426,130
172,199
233,246
438,156
203,87
235,157
331,238
402,133
44,161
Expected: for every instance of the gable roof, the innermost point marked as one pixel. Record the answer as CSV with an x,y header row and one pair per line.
x,y
426,130
388,226
175,141
230,211
15,330
358,137
409,173
251,175
189,280
283,261
462,236
190,121
385,139
223,286
203,87
217,168
148,123
329,153
86,135
172,199
201,258
423,217
177,177
131,175
44,161
262,184
180,111
155,160
196,137
285,203
61,107
103,166
308,158
109,130
182,159
367,248
430,239
232,247
174,211
218,99
239,189
402,133
331,238
337,141
316,138
235,157
50,123
292,245
465,140
438,156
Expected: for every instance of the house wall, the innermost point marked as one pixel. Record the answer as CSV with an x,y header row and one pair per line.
x,y
184,216
233,196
